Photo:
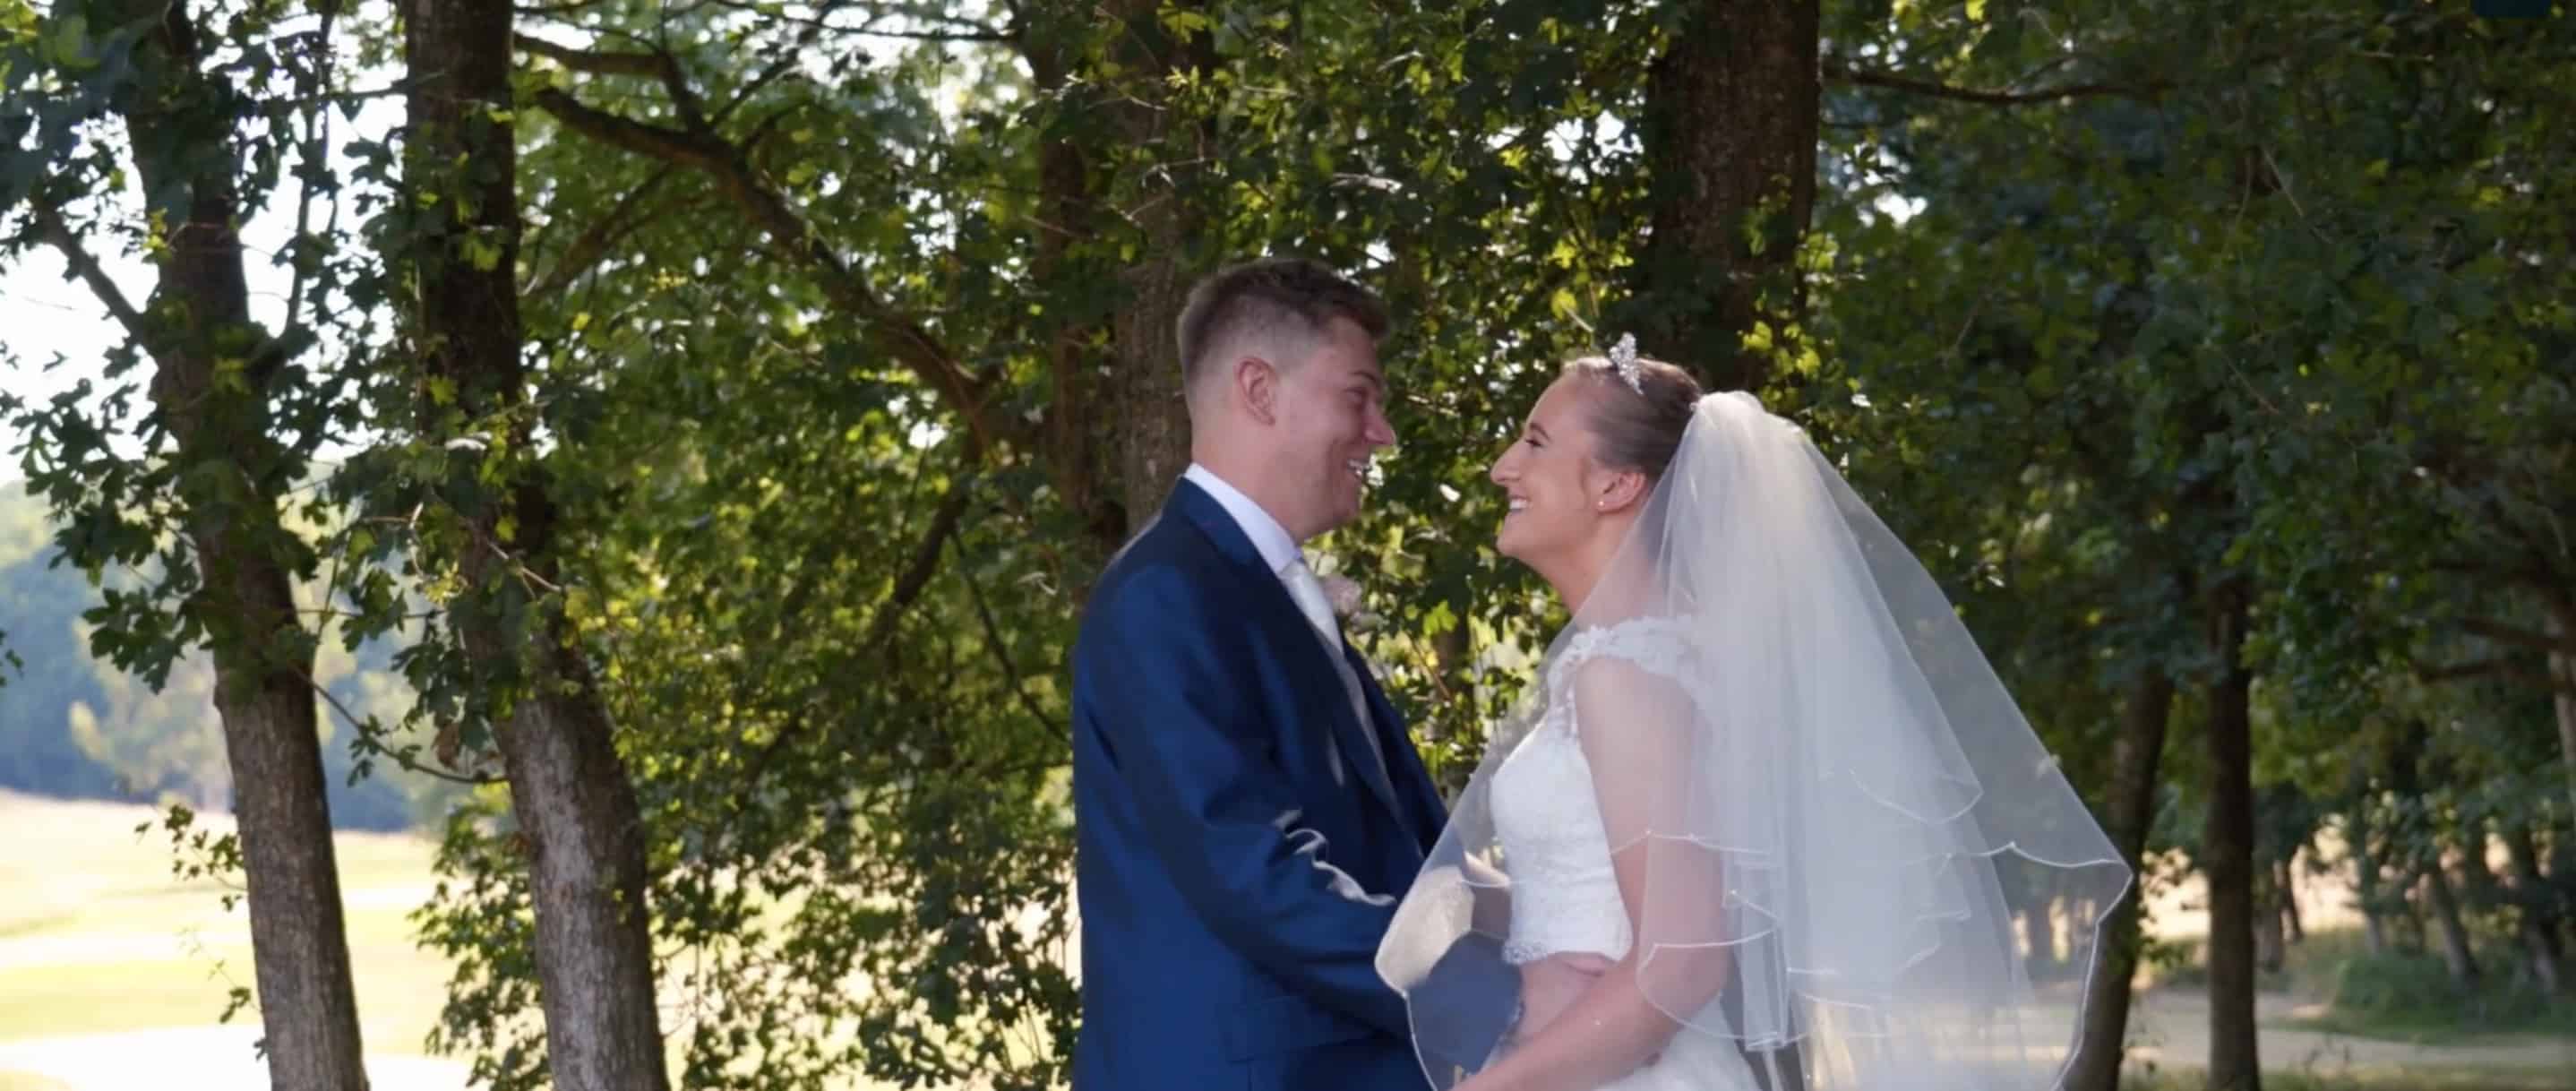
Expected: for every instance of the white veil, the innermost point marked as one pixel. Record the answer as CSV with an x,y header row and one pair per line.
x,y
1849,837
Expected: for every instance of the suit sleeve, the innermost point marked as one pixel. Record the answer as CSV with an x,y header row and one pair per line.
x,y
1215,804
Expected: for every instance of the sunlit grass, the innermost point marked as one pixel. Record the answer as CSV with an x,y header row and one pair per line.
x,y
98,935
2376,1080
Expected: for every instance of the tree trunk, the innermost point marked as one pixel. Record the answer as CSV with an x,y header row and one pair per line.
x,y
2405,773
2479,886
2365,868
2131,811
1153,425
1154,433
2288,875
568,788
199,319
2270,942
2562,670
1730,146
2227,850
2456,952
2539,925
1069,252
2039,924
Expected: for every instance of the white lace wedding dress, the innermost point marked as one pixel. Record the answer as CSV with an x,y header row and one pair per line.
x,y
1565,897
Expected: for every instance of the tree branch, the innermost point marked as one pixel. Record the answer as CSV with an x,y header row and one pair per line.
x,y
368,731
925,563
968,30
617,131
2518,636
59,234
907,589
1002,655
940,36
567,7
1837,72
894,332
2503,667
2474,668
591,61
592,245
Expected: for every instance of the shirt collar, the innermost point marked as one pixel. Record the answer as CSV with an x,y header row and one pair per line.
x,y
1278,550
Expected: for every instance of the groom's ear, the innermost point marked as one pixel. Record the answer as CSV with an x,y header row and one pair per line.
x,y
1258,384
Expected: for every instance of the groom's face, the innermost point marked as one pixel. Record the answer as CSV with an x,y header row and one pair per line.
x,y
1330,420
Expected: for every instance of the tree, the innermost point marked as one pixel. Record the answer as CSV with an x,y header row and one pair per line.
x,y
205,145
493,523
1730,162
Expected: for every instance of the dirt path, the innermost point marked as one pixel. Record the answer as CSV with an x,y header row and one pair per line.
x,y
2170,1028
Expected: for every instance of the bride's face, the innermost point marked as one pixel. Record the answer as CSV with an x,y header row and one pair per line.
x,y
1549,478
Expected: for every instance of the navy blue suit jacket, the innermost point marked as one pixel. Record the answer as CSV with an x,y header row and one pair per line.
x,y
1228,819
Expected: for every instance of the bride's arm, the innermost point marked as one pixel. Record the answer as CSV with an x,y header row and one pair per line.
x,y
1636,730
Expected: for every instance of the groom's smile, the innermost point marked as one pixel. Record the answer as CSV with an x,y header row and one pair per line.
x,y
1332,407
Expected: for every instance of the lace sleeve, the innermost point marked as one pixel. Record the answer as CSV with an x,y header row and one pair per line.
x,y
1657,646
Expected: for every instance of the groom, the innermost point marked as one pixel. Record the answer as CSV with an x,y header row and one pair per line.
x,y
1247,806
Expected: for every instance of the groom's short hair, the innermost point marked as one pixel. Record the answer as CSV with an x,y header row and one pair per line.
x,y
1276,302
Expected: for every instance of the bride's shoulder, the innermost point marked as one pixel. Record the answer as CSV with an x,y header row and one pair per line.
x,y
1661,644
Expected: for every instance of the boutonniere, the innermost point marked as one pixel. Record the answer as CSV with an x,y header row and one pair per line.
x,y
1348,601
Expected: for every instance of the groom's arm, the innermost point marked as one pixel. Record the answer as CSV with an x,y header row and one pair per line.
x,y
1216,808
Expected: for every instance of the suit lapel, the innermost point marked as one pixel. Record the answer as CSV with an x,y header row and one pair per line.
x,y
1350,735
1389,729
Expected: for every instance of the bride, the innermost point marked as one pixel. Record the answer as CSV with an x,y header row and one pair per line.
x,y
1769,821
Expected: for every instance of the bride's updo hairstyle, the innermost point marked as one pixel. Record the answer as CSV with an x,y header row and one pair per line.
x,y
1638,428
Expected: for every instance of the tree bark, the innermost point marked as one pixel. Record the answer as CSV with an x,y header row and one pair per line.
x,y
2039,924
2374,925
198,318
2227,849
2406,777
1153,420
568,788
2562,671
2365,858
2291,924
2457,955
2539,925
2131,810
2271,944
1069,246
2480,889
1730,146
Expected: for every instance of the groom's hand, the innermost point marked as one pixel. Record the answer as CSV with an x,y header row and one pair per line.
x,y
1492,914
1552,984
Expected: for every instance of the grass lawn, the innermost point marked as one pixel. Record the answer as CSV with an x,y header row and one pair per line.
x,y
2135,1080
99,936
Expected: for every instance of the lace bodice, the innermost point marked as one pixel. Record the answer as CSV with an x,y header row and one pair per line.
x,y
1565,897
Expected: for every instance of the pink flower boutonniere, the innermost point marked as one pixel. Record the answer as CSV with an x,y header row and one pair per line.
x,y
1343,593
1348,601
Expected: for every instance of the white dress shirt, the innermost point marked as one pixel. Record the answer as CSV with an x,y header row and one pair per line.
x,y
1288,564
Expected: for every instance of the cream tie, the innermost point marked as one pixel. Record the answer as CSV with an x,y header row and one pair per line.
x,y
1309,593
